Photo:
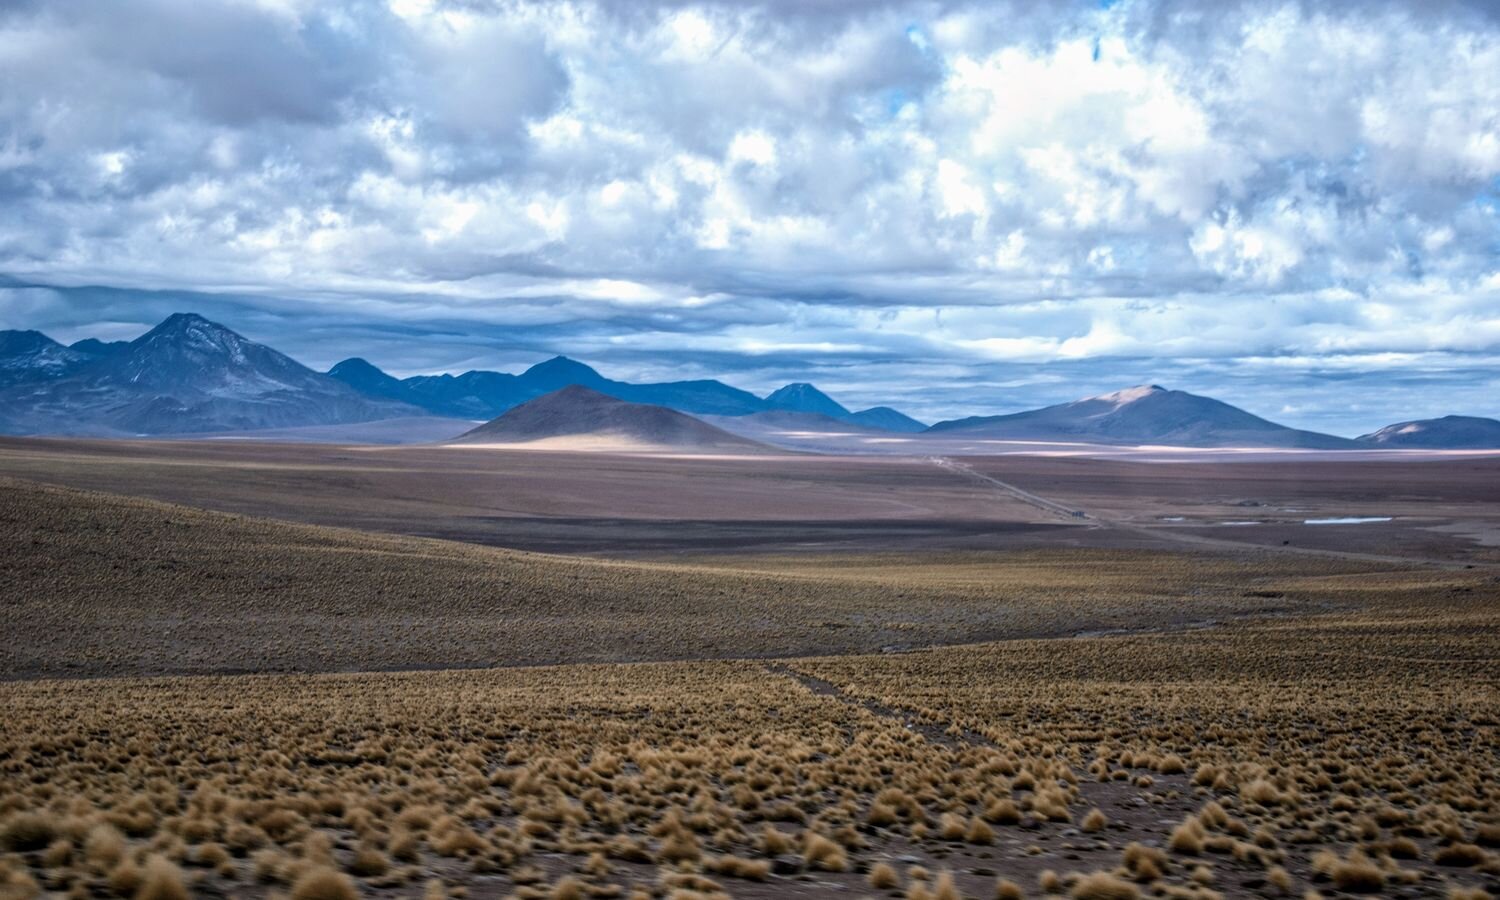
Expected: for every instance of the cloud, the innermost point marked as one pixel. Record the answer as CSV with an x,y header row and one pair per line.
x,y
859,192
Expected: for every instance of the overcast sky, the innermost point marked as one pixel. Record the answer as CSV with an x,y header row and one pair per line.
x,y
948,207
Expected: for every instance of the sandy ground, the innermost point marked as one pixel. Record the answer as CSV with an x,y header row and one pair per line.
x,y
641,503
856,442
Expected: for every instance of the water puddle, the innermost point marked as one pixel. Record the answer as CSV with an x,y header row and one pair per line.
x,y
1347,520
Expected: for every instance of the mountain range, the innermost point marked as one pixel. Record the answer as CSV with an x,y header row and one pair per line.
x,y
186,375
484,394
189,375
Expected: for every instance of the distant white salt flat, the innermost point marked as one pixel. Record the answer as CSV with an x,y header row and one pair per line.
x,y
1347,520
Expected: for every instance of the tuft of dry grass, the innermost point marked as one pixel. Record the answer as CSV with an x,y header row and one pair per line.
x,y
883,877
1103,886
323,883
822,853
1005,889
160,880
26,831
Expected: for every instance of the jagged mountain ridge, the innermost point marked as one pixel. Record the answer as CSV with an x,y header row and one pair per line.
x,y
184,376
485,394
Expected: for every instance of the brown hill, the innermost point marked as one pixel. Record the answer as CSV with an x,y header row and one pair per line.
x,y
576,417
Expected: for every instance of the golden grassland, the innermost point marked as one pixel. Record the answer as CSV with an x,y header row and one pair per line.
x,y
1347,753
101,584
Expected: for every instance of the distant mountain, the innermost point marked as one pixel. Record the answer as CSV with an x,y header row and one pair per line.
x,y
803,397
559,372
1148,414
582,413
1446,433
26,355
369,380
885,419
481,394
787,420
186,375
701,398
94,347
473,395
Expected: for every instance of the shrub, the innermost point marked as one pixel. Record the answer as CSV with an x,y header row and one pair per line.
x,y
979,832
774,841
569,888
738,867
824,854
883,877
324,883
1104,886
1357,874
27,831
104,847
952,828
1145,863
368,862
1008,890
945,889
1459,855
1187,838
161,880
125,878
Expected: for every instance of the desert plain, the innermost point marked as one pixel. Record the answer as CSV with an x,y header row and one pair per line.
x,y
249,668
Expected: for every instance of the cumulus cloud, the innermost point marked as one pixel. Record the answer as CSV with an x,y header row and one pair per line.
x,y
1025,201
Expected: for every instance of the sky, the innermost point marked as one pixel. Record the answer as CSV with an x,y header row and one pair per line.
x,y
949,207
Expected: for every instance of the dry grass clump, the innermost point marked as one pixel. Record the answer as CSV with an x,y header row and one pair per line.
x,y
822,853
1005,889
883,876
27,831
1103,886
323,883
161,880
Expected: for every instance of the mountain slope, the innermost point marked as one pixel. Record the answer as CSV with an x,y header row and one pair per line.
x,y
699,398
369,380
184,376
579,412
885,419
95,348
803,397
27,355
1445,433
1148,414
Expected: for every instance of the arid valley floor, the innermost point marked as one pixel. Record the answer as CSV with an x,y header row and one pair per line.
x,y
320,671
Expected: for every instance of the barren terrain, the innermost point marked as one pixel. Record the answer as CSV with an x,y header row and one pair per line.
x,y
327,672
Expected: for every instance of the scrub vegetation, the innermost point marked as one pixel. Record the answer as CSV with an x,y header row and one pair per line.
x,y
1251,729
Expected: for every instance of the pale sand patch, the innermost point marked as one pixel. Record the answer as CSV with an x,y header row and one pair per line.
x,y
1485,534
606,443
